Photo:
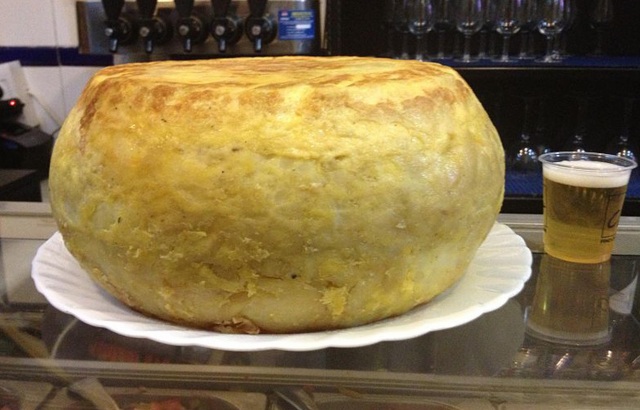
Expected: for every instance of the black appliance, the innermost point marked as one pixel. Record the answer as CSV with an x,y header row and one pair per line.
x,y
22,146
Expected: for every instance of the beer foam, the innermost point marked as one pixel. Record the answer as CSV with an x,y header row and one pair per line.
x,y
588,174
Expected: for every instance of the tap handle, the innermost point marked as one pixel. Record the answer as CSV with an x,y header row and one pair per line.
x,y
147,8
257,44
184,8
220,7
257,8
112,8
187,44
189,27
226,29
147,28
113,44
148,45
222,45
117,30
259,27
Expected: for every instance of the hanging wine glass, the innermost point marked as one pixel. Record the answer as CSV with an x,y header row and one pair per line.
x,y
562,39
577,140
600,19
529,23
622,145
469,17
388,26
522,156
400,24
540,134
443,24
485,42
509,19
420,23
551,22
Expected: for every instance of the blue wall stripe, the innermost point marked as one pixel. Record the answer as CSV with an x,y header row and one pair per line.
x,y
71,56
52,56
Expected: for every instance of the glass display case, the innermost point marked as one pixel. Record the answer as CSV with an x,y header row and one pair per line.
x,y
50,359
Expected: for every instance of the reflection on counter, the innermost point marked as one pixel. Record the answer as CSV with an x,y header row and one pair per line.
x,y
138,398
495,344
582,296
494,348
68,338
18,395
571,303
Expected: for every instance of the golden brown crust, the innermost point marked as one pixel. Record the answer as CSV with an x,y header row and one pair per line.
x,y
227,191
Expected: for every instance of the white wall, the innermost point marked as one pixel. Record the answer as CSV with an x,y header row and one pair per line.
x,y
46,23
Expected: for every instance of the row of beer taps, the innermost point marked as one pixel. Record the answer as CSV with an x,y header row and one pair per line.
x,y
193,27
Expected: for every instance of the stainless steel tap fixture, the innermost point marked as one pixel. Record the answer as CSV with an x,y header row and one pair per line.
x,y
226,27
118,29
191,27
200,28
261,26
153,29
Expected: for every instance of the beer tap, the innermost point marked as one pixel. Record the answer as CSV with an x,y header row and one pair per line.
x,y
190,27
118,29
225,29
152,29
259,27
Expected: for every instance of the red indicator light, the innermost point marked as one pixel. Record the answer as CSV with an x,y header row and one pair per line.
x,y
13,103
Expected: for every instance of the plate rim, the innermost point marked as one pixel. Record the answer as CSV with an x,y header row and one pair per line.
x,y
358,336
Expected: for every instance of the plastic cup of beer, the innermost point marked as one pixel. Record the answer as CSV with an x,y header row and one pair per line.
x,y
583,195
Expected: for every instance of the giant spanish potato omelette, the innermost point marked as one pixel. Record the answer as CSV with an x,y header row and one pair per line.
x,y
277,195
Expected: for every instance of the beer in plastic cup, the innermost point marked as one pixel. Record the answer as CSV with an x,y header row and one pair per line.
x,y
583,195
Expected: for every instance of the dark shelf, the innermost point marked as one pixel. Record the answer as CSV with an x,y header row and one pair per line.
x,y
523,194
569,63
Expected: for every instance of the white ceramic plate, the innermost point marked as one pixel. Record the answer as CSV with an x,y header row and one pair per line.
x,y
499,270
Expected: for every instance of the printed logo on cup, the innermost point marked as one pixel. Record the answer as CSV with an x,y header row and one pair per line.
x,y
615,200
